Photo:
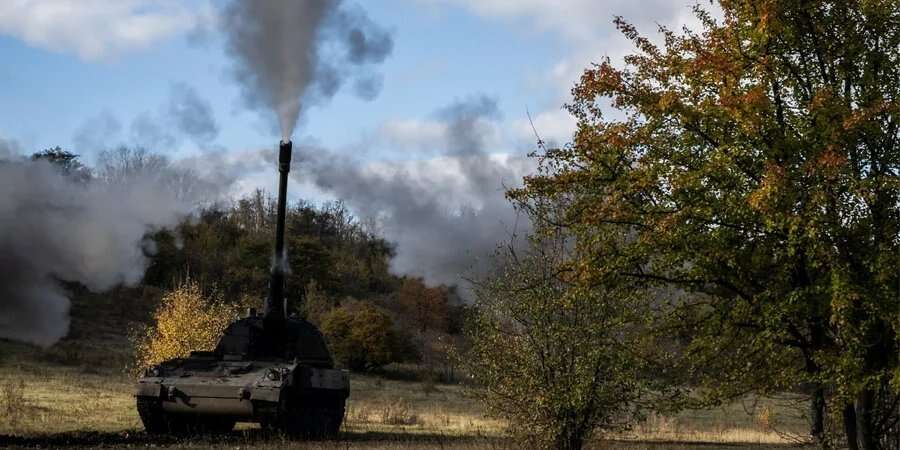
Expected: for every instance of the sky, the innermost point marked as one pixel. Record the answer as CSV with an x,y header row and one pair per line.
x,y
427,151
85,74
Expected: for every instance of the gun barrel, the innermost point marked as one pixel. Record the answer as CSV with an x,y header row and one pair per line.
x,y
275,304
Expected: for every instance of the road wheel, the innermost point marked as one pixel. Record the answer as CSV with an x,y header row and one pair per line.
x,y
152,415
336,418
216,425
299,423
312,418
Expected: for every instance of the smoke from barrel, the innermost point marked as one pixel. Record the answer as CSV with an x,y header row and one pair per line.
x,y
289,54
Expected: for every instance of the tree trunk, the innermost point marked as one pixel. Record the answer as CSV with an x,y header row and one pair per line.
x,y
572,442
569,441
817,413
817,342
571,436
850,427
864,426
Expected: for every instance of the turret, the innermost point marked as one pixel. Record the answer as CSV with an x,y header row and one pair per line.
x,y
275,304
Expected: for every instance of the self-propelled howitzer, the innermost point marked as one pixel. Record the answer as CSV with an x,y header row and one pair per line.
x,y
271,369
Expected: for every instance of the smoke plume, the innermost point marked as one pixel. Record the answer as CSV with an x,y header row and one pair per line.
x,y
97,132
91,230
184,114
149,131
292,53
192,114
57,228
8,148
445,214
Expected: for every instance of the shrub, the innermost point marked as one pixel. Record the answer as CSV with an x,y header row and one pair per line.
x,y
558,360
184,321
361,336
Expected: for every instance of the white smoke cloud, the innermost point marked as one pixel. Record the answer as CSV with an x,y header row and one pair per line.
x,y
55,228
98,29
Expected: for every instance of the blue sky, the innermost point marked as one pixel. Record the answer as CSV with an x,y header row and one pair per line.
x,y
440,55
516,52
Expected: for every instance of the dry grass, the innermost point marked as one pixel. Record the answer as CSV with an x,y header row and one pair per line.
x,y
76,394
378,405
760,421
89,406
14,405
64,400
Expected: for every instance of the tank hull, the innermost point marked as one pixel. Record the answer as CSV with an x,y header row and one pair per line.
x,y
269,393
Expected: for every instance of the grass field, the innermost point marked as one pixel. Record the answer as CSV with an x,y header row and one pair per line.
x,y
50,400
77,394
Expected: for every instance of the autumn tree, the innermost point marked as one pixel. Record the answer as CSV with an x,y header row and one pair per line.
x,y
426,307
754,164
361,336
184,321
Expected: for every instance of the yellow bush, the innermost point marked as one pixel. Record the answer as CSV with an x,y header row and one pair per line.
x,y
184,321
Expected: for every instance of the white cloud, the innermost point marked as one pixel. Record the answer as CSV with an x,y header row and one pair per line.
x,y
574,19
578,21
412,134
418,138
587,27
555,127
98,29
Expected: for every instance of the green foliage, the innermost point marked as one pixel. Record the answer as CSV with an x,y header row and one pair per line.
x,y
361,337
331,257
316,303
232,248
558,359
755,166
